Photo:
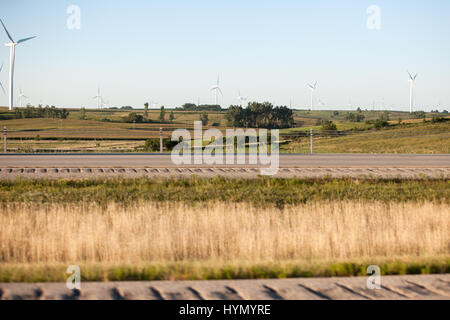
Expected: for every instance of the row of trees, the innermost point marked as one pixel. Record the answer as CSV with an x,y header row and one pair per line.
x,y
354,117
134,117
260,115
203,107
40,112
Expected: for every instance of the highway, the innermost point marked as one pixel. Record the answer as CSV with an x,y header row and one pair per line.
x,y
164,161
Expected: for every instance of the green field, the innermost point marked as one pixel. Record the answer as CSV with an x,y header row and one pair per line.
x,y
259,192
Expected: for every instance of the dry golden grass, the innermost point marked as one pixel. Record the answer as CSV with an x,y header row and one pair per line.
x,y
221,232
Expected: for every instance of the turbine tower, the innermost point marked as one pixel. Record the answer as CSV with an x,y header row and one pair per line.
x,y
21,95
313,92
12,48
217,90
1,85
99,99
411,88
241,98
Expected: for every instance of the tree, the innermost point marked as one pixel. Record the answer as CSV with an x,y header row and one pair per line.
x,y
146,111
204,118
64,113
162,114
329,126
260,115
134,117
380,123
354,117
82,114
151,145
171,116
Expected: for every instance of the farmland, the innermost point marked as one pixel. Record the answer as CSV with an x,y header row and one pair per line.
x,y
106,131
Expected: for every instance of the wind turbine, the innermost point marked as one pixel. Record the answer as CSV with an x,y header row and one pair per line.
x,y
153,104
21,95
217,90
313,92
241,98
105,103
411,88
12,47
99,99
321,103
1,85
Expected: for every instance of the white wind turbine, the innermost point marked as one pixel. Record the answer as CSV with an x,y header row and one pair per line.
x,y
313,92
153,104
105,104
241,98
12,48
411,88
21,95
217,90
1,85
99,99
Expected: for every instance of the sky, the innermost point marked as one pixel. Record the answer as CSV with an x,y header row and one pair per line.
x,y
171,52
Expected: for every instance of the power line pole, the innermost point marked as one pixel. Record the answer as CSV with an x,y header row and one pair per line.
x,y
160,140
312,140
4,140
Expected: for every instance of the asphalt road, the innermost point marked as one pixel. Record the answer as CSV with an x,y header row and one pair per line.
x,y
410,287
164,161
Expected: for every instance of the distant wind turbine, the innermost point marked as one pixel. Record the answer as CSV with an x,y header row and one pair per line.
x,y
12,46
241,98
411,88
153,104
217,90
313,92
1,85
104,103
321,103
99,99
21,95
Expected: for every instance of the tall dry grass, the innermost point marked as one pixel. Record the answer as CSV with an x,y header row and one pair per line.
x,y
151,232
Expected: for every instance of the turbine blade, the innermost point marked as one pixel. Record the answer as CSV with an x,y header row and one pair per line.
x,y
26,39
410,76
220,92
3,89
1,68
6,30
416,76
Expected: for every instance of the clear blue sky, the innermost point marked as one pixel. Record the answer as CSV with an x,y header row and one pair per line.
x,y
172,51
